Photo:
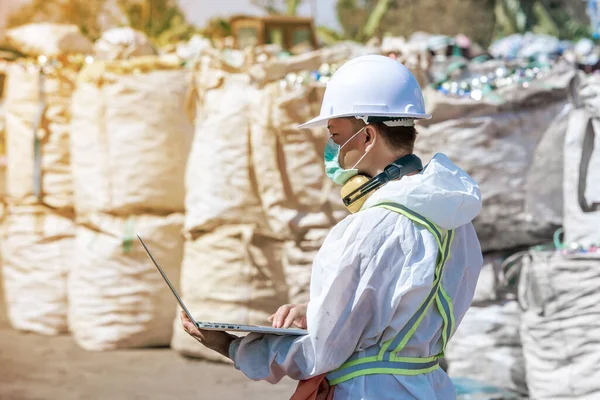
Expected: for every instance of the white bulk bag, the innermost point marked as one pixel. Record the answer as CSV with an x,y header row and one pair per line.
x,y
117,298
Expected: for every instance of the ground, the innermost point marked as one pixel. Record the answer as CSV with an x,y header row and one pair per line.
x,y
34,367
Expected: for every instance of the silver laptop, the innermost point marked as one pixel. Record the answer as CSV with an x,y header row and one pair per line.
x,y
221,326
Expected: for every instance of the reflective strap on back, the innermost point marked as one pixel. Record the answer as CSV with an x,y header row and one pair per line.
x,y
386,361
444,306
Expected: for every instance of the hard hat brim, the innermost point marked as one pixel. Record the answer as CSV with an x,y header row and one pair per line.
x,y
322,120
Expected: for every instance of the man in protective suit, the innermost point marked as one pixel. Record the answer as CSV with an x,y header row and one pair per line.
x,y
393,280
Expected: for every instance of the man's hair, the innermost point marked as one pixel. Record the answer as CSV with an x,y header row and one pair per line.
x,y
401,138
398,137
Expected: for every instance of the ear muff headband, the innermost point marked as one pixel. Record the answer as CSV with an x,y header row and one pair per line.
x,y
399,168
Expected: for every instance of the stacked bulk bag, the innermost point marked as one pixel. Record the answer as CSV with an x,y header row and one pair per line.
x,y
131,137
308,204
230,274
38,234
558,290
37,255
560,327
232,270
130,144
3,67
38,167
117,297
582,167
314,201
520,125
486,347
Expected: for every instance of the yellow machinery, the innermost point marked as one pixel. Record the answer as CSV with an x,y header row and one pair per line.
x,y
293,34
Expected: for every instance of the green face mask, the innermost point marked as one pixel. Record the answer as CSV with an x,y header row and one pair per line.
x,y
333,169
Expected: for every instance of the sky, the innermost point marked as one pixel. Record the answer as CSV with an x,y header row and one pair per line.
x,y
200,11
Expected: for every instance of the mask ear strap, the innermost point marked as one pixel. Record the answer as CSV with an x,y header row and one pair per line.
x,y
366,152
353,136
360,159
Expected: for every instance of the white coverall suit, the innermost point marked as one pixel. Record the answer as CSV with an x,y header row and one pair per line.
x,y
372,274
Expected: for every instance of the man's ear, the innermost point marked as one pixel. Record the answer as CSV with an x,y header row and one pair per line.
x,y
371,134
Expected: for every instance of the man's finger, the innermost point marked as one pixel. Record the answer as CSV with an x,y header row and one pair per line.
x,y
292,315
195,332
188,326
279,316
184,316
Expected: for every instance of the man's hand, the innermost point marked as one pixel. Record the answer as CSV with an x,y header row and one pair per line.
x,y
215,340
288,315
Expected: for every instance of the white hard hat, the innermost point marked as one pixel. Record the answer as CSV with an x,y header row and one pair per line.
x,y
371,86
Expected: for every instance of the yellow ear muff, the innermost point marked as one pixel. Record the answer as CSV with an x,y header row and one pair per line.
x,y
352,185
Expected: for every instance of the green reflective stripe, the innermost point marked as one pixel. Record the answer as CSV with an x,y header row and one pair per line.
x,y
388,371
359,361
366,360
444,304
414,359
445,320
451,320
422,310
437,283
411,326
413,216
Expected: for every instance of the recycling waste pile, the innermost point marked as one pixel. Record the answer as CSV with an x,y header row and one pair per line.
x,y
198,150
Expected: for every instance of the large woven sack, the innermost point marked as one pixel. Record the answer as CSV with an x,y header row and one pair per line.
x,y
496,142
252,122
39,101
221,181
232,274
542,200
264,171
117,298
300,202
37,247
486,347
48,39
2,132
131,137
582,167
308,205
560,327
